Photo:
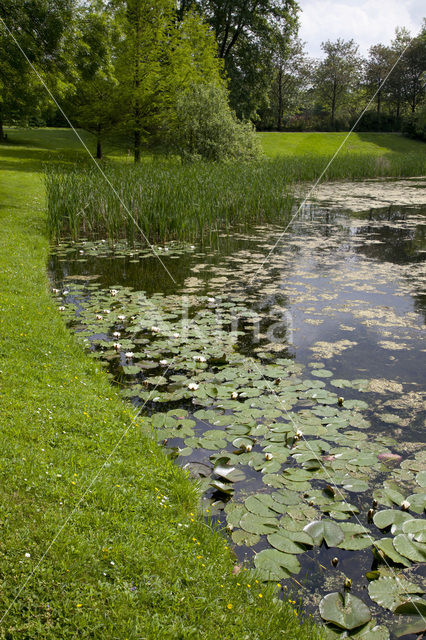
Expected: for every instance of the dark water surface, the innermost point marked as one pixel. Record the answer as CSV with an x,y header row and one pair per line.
x,y
340,294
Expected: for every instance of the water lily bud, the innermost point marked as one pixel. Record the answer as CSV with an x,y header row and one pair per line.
x,y
117,346
248,448
229,528
405,505
234,395
340,400
277,381
375,504
370,515
335,562
348,583
268,456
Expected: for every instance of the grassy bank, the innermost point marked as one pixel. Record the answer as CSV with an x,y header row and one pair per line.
x,y
126,554
325,144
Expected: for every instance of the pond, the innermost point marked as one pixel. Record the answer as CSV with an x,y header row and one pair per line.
x,y
285,372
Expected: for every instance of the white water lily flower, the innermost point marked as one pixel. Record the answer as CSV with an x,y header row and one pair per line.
x,y
61,308
193,386
66,292
175,335
116,334
234,395
155,329
199,359
268,456
107,311
55,290
192,246
129,354
113,292
98,317
121,317
117,346
163,361
299,433
28,555
211,300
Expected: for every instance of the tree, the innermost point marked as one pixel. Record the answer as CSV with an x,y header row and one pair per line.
x,y
161,55
338,74
291,75
94,100
40,27
414,67
378,65
246,32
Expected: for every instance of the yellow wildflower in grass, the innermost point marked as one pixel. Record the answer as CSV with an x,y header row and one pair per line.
x,y
260,595
229,606
79,605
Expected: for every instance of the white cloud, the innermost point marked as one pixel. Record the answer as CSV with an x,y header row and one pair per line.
x,y
366,21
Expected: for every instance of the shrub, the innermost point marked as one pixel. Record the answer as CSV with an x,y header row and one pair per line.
x,y
204,126
414,125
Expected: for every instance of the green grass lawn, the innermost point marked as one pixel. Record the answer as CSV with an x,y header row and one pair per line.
x,y
95,545
325,144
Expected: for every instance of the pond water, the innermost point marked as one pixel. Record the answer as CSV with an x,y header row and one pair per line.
x,y
286,373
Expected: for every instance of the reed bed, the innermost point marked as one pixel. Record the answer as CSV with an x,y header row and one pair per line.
x,y
168,200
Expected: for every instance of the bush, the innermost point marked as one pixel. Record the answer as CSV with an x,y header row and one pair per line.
x,y
205,127
414,125
371,121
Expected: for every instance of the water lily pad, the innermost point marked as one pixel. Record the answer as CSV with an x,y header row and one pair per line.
x,y
385,545
415,551
276,565
388,517
325,530
389,592
257,524
260,504
241,537
409,625
415,528
283,542
344,610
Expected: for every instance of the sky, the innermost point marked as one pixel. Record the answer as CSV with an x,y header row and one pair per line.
x,y
368,22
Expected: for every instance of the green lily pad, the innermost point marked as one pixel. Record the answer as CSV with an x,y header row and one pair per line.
x,y
241,537
282,542
388,517
415,551
409,625
416,529
256,524
276,565
412,606
385,545
260,505
389,592
344,610
325,530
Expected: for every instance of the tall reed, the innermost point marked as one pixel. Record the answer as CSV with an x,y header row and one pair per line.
x,y
185,201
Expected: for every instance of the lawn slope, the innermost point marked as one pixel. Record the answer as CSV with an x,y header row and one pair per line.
x,y
326,144
95,545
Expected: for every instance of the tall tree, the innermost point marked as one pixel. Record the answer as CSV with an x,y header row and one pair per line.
x,y
94,99
246,32
378,65
39,26
337,74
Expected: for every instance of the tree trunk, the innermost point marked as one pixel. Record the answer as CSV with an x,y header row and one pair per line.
x,y
280,99
2,136
137,145
333,105
98,143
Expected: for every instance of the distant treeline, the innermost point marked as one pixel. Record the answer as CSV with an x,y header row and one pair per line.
x,y
169,73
